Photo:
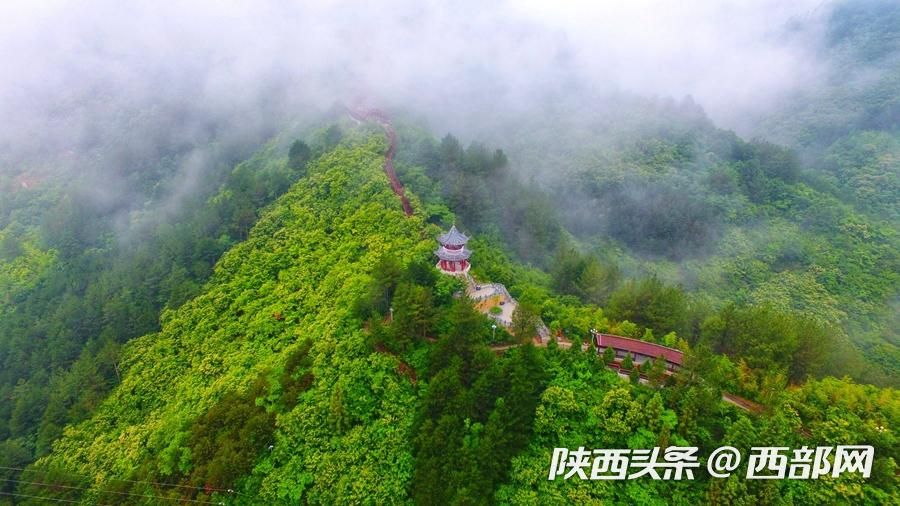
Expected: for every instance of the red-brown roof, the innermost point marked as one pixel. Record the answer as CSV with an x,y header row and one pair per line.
x,y
638,346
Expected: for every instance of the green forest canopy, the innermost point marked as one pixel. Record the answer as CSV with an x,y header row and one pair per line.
x,y
272,370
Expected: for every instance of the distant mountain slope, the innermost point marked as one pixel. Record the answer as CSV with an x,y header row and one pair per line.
x,y
653,187
847,122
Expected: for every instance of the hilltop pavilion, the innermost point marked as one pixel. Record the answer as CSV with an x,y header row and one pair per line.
x,y
453,254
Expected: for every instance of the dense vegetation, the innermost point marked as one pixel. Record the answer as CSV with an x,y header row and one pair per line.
x,y
326,362
718,219
280,334
76,288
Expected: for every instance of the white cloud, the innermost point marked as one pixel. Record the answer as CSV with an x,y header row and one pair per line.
x,y
438,57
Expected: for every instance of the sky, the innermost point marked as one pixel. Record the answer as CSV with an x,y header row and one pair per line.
x,y
67,68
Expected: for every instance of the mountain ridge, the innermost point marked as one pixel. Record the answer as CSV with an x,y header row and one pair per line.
x,y
281,281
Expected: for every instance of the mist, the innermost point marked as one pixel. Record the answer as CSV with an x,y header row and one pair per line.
x,y
181,181
89,88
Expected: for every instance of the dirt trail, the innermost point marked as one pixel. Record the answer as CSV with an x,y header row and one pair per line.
x,y
384,120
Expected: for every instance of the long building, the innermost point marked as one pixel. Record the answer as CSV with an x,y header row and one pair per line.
x,y
640,351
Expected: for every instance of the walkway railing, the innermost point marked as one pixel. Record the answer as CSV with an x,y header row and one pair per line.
x,y
499,289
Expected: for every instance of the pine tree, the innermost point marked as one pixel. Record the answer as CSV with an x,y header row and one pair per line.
x,y
628,362
524,322
609,356
635,376
298,156
657,372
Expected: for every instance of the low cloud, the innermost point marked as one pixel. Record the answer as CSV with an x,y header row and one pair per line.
x,y
149,75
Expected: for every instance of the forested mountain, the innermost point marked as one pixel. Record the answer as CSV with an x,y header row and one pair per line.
x,y
78,282
282,383
664,193
217,297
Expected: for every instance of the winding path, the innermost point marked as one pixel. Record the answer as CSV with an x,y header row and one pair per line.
x,y
382,119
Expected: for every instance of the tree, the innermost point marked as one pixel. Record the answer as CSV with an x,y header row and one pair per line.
x,y
451,152
71,226
525,320
467,331
298,157
475,416
386,276
10,246
628,362
670,340
657,218
13,455
584,276
226,440
766,338
414,312
332,137
650,303
814,344
609,356
657,372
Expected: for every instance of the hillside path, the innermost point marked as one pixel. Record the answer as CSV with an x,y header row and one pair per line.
x,y
385,122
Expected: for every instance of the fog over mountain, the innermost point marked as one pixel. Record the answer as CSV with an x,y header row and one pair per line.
x,y
219,280
69,66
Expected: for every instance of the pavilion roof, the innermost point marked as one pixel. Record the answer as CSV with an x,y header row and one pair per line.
x,y
454,237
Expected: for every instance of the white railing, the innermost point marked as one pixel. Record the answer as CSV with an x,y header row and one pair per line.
x,y
497,289
499,319
500,289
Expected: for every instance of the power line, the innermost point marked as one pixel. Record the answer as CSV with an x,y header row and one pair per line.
x,y
27,496
101,491
173,485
